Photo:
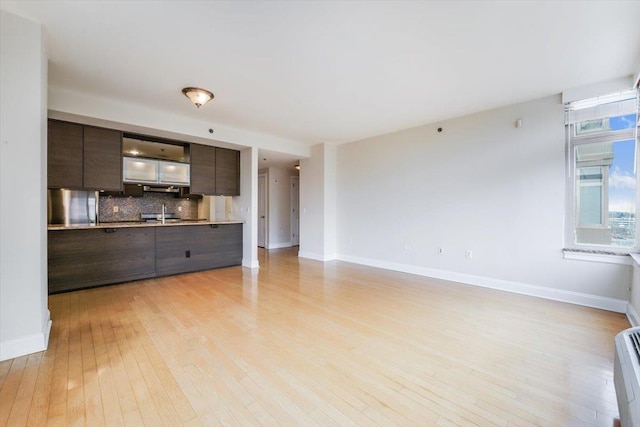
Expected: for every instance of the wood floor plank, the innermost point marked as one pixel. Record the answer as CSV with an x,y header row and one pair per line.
x,y
210,409
5,367
301,342
24,397
93,407
10,386
75,381
131,354
42,392
123,364
57,412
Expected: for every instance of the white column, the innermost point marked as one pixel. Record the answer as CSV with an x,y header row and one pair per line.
x,y
24,317
245,206
318,204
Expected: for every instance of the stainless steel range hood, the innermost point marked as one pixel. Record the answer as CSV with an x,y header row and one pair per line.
x,y
161,189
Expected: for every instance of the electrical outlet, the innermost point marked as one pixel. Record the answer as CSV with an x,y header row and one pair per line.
x,y
115,209
468,254
179,208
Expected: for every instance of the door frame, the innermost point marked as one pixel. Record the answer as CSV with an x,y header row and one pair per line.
x,y
265,192
294,227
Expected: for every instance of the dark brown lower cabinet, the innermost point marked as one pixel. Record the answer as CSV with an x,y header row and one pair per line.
x,y
85,258
227,245
197,247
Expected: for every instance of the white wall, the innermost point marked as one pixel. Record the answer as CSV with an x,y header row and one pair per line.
x,y
312,204
279,204
634,294
218,208
318,203
24,317
482,185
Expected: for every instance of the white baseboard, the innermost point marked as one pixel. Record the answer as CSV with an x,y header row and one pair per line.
x,y
632,315
250,264
279,245
27,345
605,303
317,257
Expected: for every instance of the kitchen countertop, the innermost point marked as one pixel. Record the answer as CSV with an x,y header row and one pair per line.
x,y
131,224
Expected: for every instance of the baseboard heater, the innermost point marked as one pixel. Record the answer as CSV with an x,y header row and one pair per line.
x,y
626,376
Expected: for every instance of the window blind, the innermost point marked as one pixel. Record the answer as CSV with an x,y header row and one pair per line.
x,y
618,104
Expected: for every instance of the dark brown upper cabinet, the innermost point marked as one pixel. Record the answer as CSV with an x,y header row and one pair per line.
x,y
227,172
129,190
102,159
64,154
203,169
83,157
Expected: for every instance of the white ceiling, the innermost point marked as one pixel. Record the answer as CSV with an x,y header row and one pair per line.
x,y
334,71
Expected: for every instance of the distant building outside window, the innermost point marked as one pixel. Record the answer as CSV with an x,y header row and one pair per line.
x,y
602,139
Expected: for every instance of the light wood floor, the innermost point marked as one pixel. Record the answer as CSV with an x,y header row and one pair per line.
x,y
304,343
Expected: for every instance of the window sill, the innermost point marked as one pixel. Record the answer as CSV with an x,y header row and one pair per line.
x,y
635,259
621,259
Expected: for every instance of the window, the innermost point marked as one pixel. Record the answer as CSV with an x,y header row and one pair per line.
x,y
590,126
601,177
590,196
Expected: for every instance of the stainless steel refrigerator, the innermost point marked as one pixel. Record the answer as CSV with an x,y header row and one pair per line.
x,y
72,207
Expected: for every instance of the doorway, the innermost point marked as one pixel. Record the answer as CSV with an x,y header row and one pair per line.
x,y
262,210
295,207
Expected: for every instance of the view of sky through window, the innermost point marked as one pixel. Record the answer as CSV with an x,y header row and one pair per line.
x,y
622,174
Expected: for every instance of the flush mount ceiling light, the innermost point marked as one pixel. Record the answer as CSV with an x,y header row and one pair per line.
x,y
197,96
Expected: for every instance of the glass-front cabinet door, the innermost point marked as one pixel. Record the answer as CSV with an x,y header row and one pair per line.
x,y
173,173
140,170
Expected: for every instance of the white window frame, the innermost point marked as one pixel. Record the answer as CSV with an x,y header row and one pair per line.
x,y
572,140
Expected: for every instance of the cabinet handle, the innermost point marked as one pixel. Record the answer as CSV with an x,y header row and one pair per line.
x,y
110,230
214,225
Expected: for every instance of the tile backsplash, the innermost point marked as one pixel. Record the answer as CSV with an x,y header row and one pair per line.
x,y
130,208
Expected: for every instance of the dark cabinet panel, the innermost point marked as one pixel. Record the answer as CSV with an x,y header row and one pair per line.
x,y
92,257
129,190
227,172
186,193
133,190
85,258
182,249
102,159
227,244
203,169
198,247
83,157
64,155
87,157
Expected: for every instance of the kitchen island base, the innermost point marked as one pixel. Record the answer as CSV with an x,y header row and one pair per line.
x,y
85,258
